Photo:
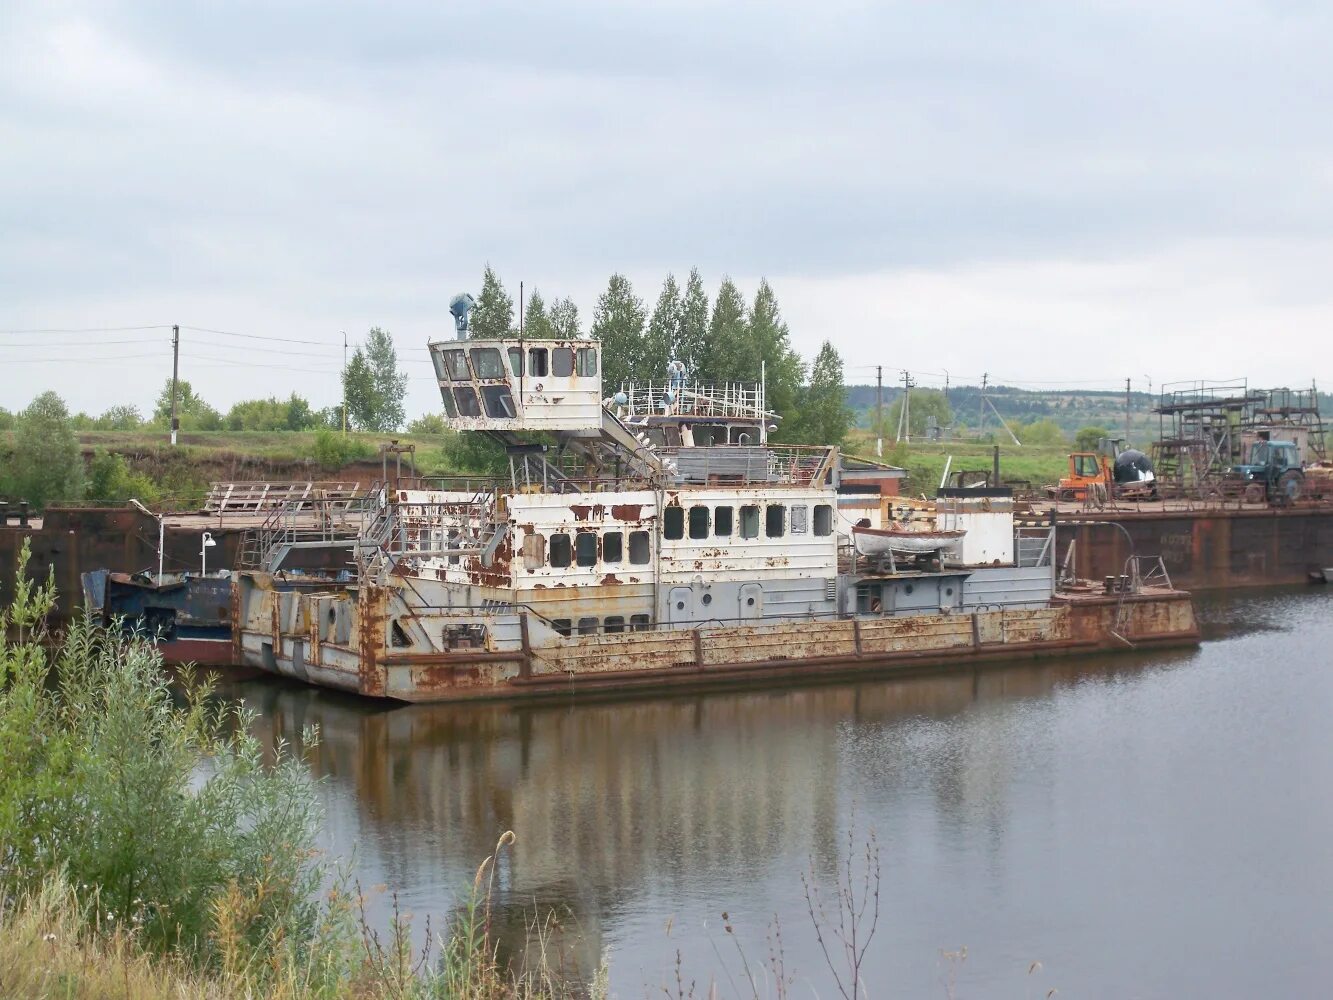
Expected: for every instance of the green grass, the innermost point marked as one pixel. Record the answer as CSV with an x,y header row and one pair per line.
x,y
925,462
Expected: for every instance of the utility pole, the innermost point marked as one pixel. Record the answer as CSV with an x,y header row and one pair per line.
x,y
520,310
905,412
981,407
879,411
344,381
1127,404
175,372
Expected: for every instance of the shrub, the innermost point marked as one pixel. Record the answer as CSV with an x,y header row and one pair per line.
x,y
431,424
46,466
111,481
334,450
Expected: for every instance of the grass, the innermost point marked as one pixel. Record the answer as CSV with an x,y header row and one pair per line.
x,y
925,461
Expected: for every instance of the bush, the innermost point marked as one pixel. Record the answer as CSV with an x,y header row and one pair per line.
x,y
432,424
333,450
46,466
1088,437
111,481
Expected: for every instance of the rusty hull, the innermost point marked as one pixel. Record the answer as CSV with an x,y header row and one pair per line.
x,y
721,654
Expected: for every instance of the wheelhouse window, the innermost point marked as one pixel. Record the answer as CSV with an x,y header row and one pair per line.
x,y
537,362
585,548
800,519
562,551
750,521
447,398
534,551
516,361
613,547
640,548
562,362
486,362
823,519
563,626
466,398
499,401
455,361
775,520
673,523
722,521
585,362
699,518
440,371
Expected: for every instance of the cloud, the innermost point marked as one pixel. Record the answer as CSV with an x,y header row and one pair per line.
x,y
977,176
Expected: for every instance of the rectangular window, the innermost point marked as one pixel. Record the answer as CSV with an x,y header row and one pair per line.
x,y
673,523
750,522
499,402
456,362
638,623
562,362
537,362
585,548
516,361
447,397
775,520
823,519
800,519
534,552
640,548
698,521
562,552
451,542
486,362
587,626
613,624
441,372
613,547
466,398
722,521
586,362
563,626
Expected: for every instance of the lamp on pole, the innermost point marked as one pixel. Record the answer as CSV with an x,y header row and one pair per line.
x,y
203,552
161,534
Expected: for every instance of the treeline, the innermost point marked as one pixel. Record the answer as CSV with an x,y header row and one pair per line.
x,y
728,339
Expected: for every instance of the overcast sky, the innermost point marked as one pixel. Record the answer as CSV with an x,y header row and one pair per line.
x,y
1055,193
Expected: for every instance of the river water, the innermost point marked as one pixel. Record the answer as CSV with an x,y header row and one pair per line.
x,y
1142,825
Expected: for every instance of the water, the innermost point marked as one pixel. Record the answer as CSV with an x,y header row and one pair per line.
x,y
1142,826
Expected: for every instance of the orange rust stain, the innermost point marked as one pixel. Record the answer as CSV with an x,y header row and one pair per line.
x,y
627,511
610,578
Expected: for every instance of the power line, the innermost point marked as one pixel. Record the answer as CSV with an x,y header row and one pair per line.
x,y
80,343
86,329
258,336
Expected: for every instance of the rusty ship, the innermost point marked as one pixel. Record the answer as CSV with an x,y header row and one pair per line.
x,y
655,536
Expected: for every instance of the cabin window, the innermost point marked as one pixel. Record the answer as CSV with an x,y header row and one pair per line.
x,y
499,402
561,551
673,523
563,626
750,521
516,361
486,362
562,362
640,549
775,520
587,626
699,521
451,542
447,397
466,398
613,624
800,519
440,371
585,362
455,360
534,551
638,623
585,548
722,518
823,519
537,362
613,547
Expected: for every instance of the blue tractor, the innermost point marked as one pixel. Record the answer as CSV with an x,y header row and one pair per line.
x,y
1273,474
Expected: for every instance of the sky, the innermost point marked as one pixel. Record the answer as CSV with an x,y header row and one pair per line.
x,y
1056,194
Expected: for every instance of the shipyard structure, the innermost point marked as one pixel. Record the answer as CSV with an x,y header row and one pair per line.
x,y
652,536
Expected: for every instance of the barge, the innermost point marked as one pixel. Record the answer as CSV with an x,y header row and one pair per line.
x,y
656,537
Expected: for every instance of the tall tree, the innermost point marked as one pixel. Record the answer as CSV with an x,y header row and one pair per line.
x,y
565,323
660,344
536,320
194,413
493,316
723,356
693,336
823,416
47,466
768,340
374,385
617,321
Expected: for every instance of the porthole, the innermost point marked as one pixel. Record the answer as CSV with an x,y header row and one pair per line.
x,y
680,605
749,602
948,592
908,589
708,598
